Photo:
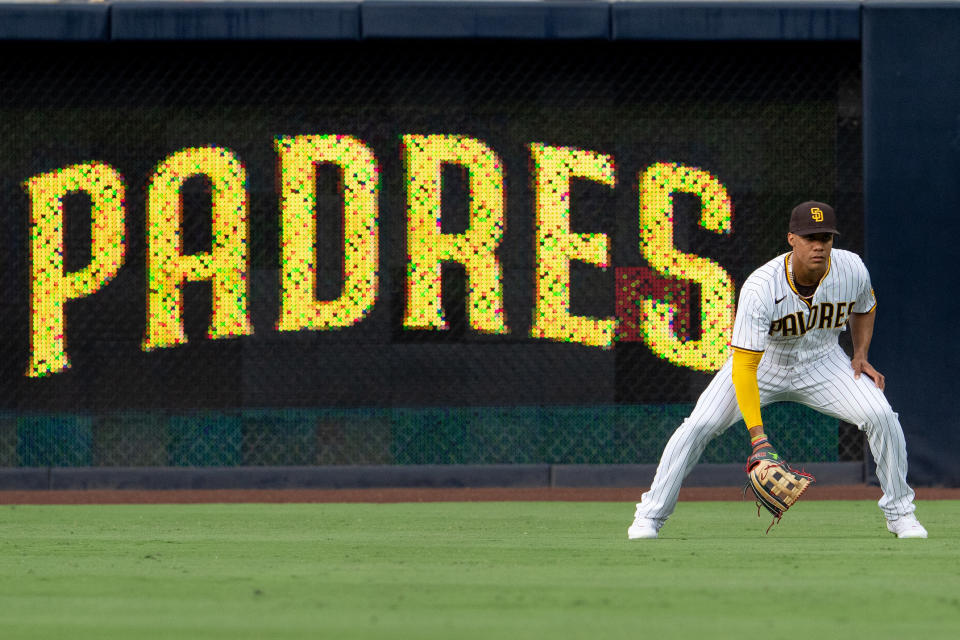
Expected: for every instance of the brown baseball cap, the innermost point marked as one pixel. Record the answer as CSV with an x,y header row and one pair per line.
x,y
813,217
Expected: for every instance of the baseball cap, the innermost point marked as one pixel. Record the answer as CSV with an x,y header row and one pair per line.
x,y
813,217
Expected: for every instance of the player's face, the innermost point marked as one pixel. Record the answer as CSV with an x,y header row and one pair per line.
x,y
811,253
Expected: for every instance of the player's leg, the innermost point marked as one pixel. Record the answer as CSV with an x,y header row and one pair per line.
x,y
830,387
715,411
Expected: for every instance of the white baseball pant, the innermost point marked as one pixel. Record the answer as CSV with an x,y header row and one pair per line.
x,y
826,384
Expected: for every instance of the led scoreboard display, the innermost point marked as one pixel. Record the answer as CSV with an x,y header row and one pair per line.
x,y
226,265
400,224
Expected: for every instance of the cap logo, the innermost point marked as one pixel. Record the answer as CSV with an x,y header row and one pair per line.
x,y
817,214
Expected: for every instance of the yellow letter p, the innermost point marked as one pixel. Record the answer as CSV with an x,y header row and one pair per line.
x,y
50,286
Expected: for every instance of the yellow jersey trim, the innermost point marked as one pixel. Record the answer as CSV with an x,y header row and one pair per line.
x,y
788,271
745,350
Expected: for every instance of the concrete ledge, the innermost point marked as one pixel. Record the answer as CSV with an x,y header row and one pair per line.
x,y
726,20
605,475
703,475
328,477
567,19
386,476
705,20
54,21
173,20
21,479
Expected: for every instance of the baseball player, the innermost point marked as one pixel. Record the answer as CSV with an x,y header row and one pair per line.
x,y
790,314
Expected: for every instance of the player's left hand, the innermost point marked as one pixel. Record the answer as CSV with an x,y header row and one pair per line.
x,y
861,366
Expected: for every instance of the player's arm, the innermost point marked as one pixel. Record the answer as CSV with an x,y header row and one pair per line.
x,y
750,335
745,364
861,330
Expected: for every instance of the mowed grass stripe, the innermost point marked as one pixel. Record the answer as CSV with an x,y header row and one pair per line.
x,y
472,570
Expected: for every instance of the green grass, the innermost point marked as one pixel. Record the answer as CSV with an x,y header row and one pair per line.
x,y
477,570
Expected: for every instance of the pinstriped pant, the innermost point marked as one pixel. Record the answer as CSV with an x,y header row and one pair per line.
x,y
825,384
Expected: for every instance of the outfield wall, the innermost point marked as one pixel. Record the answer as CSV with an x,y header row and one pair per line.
x,y
912,190
546,121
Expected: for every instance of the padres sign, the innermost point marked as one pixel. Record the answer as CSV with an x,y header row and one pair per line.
x,y
479,224
226,266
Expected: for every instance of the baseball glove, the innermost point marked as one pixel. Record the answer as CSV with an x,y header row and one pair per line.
x,y
775,485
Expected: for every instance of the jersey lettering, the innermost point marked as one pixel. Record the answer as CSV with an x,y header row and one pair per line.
x,y
849,309
841,310
800,323
826,315
790,325
812,321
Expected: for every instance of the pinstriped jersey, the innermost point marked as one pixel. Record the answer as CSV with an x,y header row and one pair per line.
x,y
772,316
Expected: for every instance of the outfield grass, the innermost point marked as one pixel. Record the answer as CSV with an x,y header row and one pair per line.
x,y
473,570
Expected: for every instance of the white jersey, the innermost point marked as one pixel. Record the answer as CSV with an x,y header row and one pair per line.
x,y
773,318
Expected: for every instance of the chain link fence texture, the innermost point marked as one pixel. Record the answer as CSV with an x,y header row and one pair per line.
x,y
776,123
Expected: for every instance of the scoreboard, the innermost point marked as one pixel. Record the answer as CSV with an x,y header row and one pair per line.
x,y
401,223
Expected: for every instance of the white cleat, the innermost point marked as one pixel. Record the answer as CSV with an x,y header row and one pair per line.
x,y
906,527
643,528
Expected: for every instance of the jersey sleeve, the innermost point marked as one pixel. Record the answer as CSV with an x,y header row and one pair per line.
x,y
745,386
866,300
752,325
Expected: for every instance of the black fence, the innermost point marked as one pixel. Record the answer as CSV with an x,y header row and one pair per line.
x,y
399,251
